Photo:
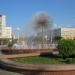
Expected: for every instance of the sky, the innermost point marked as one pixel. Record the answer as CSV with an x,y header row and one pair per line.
x,y
19,13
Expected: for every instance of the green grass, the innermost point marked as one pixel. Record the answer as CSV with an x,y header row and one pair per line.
x,y
38,60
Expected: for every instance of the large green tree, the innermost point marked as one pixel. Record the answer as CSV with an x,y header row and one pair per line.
x,y
66,47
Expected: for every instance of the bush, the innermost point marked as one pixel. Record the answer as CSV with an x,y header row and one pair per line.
x,y
49,55
70,60
66,47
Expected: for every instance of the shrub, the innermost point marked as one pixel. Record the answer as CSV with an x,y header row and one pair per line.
x,y
66,47
49,55
70,60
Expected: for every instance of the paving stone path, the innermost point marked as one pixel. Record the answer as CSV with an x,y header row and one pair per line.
x,y
3,72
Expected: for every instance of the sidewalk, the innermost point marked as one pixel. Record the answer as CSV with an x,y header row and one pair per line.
x,y
3,72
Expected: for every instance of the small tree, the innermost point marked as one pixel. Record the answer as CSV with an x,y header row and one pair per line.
x,y
66,47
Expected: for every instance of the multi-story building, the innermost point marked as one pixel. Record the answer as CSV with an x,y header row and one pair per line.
x,y
2,21
66,33
5,32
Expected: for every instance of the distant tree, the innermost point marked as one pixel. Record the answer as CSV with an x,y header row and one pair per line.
x,y
74,38
12,42
57,38
4,41
42,21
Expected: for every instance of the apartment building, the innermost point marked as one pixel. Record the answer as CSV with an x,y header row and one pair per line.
x,y
66,33
5,32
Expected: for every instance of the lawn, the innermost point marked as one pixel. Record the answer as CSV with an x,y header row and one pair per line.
x,y
38,60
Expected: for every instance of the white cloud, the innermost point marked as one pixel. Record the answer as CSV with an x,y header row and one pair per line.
x,y
61,26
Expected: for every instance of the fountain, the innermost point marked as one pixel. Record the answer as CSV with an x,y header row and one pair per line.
x,y
20,45
41,21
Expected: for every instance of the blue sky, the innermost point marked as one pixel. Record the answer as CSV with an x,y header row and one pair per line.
x,y
19,12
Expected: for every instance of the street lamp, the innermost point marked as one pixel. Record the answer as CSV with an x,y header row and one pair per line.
x,y
46,37
18,30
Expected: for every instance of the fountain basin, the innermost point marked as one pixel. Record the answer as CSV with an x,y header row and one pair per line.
x,y
37,69
23,51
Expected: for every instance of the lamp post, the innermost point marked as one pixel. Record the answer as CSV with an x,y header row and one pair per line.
x,y
18,30
51,36
46,37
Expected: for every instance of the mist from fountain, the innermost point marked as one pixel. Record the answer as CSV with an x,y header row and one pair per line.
x,y
20,45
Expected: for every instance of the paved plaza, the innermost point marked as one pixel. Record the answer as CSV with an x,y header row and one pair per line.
x,y
3,72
